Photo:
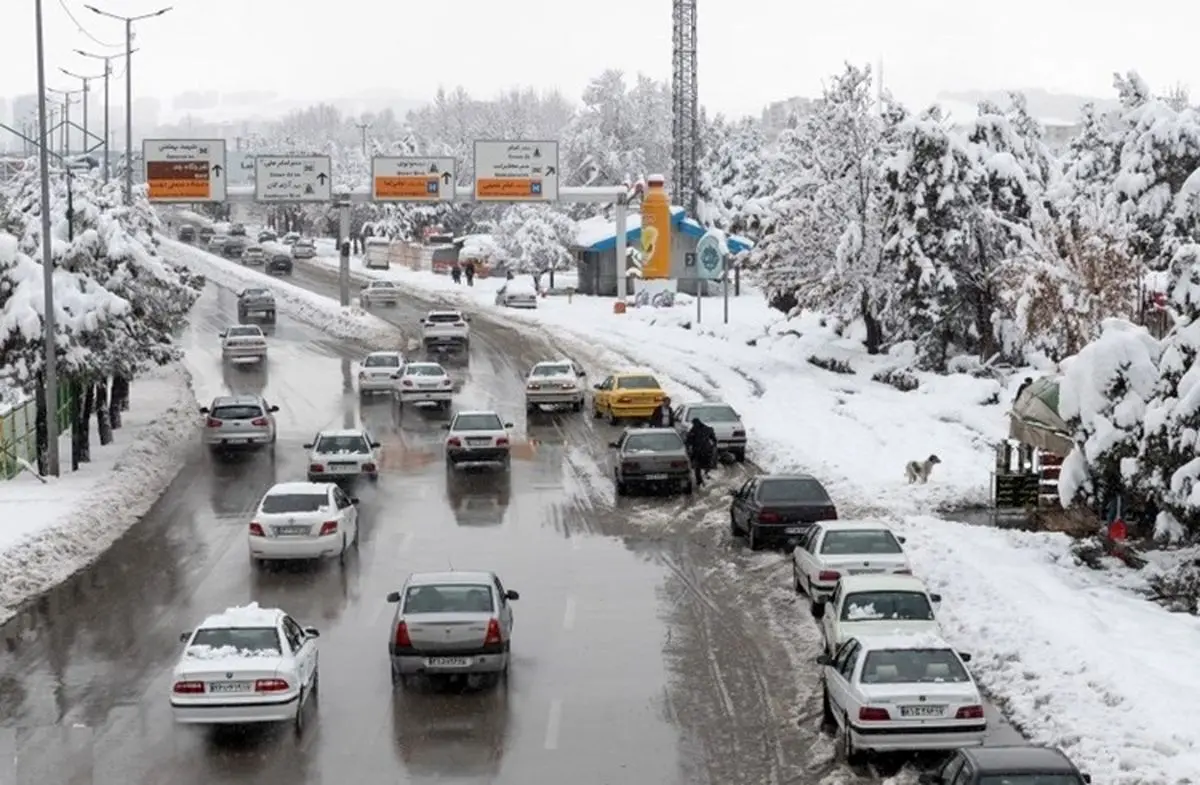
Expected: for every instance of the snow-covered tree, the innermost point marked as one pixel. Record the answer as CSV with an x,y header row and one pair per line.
x,y
731,176
536,238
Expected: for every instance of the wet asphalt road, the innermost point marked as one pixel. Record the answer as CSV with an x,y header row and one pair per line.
x,y
647,647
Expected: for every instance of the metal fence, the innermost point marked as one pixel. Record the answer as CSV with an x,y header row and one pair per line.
x,y
18,433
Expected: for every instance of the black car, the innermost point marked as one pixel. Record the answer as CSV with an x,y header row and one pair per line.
x,y
267,236
187,234
279,264
205,233
778,509
1027,765
237,230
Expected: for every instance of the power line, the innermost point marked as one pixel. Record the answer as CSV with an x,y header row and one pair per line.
x,y
84,30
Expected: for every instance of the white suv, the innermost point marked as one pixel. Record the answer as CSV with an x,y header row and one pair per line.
x,y
478,438
446,331
342,455
239,422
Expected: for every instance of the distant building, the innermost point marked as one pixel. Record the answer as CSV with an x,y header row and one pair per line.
x,y
24,107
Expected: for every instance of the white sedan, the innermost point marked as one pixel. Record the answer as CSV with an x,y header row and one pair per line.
x,y
831,549
425,382
243,343
246,665
303,520
876,605
900,693
377,372
342,455
478,439
517,294
379,292
555,383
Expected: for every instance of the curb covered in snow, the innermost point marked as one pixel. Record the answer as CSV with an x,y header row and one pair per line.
x,y
142,473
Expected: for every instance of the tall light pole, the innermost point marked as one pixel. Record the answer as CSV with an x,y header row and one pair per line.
x,y
50,364
87,90
66,135
107,74
128,20
362,128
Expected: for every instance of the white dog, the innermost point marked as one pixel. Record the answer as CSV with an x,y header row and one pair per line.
x,y
919,471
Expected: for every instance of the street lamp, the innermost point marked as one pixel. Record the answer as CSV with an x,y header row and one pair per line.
x,y
107,73
87,80
128,20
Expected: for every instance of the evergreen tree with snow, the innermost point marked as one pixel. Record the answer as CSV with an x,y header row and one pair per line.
x,y
731,177
536,238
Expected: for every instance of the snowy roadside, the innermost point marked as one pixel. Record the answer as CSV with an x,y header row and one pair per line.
x,y
350,323
52,530
1073,660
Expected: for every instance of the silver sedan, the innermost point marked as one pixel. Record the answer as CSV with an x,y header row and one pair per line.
x,y
722,418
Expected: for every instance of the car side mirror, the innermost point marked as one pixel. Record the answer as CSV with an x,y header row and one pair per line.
x,y
508,425
511,595
935,598
393,597
824,659
1087,778
183,637
614,445
204,410
375,445
964,656
818,610
312,632
595,387
354,500
273,409
902,540
308,446
446,427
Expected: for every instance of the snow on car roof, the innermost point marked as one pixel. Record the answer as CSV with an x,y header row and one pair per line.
x,y
386,354
343,432
444,313
469,412
299,487
243,616
383,284
427,578
914,640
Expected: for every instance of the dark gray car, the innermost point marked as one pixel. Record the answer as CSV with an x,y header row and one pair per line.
x,y
256,302
651,458
1023,765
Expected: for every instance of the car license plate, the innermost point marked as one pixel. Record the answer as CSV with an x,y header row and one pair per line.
x,y
479,442
922,711
229,686
448,662
656,476
865,572
795,530
291,530
344,468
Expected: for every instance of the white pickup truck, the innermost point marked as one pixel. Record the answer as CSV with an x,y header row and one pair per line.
x,y
446,331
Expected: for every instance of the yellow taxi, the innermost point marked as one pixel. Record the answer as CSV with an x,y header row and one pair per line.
x,y
631,395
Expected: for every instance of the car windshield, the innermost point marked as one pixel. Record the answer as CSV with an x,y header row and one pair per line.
x,y
304,242
243,332
666,441
718,413
382,361
443,318
383,285
425,369
560,369
237,412
1030,779
275,503
241,639
478,422
889,605
334,445
865,541
912,666
796,491
449,598
254,249
638,383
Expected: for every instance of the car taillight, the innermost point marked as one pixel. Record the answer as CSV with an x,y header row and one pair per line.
x,y
271,685
969,713
407,383
188,687
828,514
328,527
767,516
261,422
502,442
256,529
872,714
493,633
213,422
402,638
454,442
369,468
679,464
316,468
739,433
825,576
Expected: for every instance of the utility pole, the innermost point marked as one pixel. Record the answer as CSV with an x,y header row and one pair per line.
x,y
107,75
50,363
362,129
87,80
66,123
128,20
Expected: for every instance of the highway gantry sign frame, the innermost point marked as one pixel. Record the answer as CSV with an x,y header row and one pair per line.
x,y
516,171
293,178
412,179
184,170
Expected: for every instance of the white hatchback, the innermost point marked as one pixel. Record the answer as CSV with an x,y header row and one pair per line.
x,y
246,665
303,520
342,455
377,372
425,383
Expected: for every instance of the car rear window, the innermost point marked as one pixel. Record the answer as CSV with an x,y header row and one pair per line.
x,y
552,370
243,639
638,383
382,361
425,369
443,318
844,543
294,502
478,422
334,445
792,490
243,332
889,605
256,292
719,413
238,412
912,666
666,441
450,598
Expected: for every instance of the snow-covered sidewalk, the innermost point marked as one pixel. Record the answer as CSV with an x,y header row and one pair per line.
x,y
53,529
1075,662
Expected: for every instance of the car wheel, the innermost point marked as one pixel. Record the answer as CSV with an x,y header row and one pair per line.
x,y
733,527
577,406
827,718
315,689
621,485
752,538
851,754
690,488
530,409
270,317
299,721
399,679
507,465
739,456
796,581
596,410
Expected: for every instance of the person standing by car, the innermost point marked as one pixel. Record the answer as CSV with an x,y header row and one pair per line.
x,y
663,417
469,271
702,446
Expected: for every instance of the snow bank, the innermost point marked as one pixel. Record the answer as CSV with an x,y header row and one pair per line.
x,y
53,530
351,323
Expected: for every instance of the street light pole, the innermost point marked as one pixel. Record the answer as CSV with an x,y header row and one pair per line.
x,y
50,364
107,74
362,127
128,20
66,134
87,81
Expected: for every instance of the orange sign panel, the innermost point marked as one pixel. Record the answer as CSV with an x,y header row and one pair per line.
x,y
179,189
178,180
407,187
507,188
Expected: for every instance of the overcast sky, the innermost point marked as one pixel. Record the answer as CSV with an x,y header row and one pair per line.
x,y
751,51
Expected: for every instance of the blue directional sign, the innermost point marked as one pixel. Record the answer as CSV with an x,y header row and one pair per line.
x,y
710,261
